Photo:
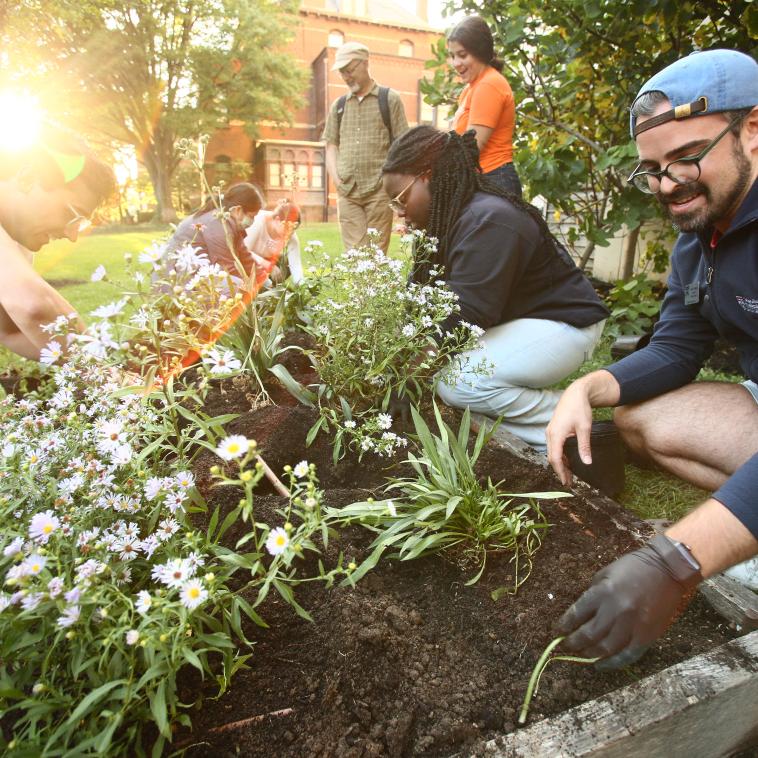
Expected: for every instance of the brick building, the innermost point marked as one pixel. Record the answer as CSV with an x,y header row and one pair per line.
x,y
290,160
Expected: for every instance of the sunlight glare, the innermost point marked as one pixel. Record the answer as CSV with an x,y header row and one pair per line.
x,y
21,122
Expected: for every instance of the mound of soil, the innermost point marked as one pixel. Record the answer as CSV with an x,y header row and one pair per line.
x,y
411,662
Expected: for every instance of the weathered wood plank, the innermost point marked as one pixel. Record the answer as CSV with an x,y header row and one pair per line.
x,y
704,707
735,602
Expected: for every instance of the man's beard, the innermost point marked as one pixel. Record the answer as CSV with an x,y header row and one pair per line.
x,y
702,219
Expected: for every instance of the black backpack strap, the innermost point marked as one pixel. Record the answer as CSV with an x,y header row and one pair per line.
x,y
384,109
340,110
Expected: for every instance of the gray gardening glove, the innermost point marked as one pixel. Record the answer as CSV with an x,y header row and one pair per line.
x,y
631,603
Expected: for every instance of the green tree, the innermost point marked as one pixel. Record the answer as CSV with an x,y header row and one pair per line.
x,y
575,67
149,72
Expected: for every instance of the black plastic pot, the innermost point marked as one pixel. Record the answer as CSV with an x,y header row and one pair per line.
x,y
606,473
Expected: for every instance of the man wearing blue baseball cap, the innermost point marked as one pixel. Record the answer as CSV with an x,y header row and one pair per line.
x,y
696,128
47,192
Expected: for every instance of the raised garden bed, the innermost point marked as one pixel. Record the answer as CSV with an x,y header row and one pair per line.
x,y
411,662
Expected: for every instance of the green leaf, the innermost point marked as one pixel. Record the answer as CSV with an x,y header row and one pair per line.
x,y
159,710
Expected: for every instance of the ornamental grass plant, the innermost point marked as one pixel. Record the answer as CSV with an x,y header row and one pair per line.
x,y
445,508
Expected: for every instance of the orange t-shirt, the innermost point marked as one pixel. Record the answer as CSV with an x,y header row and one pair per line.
x,y
488,101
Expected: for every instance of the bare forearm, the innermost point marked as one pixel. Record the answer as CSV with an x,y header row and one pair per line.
x,y
716,537
19,344
332,151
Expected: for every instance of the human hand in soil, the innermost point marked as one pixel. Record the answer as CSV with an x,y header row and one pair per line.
x,y
630,603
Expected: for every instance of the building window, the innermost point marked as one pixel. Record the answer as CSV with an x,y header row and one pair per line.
x,y
317,176
274,175
405,48
336,38
302,174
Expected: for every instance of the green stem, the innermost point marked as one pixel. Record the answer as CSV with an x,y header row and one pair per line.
x,y
541,665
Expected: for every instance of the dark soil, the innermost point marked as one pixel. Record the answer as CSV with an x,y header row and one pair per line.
x,y
411,662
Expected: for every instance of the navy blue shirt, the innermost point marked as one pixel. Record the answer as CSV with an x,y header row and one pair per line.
x,y
503,266
711,292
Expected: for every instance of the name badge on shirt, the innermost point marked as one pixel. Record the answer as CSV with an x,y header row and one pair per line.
x,y
692,293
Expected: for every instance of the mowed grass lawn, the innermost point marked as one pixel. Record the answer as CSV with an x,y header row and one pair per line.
x,y
69,268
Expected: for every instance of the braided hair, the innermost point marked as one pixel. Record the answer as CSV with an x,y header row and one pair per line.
x,y
453,162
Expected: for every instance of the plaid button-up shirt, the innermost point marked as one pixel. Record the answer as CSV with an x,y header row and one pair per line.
x,y
363,139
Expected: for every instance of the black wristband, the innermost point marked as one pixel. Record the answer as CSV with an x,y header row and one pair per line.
x,y
684,568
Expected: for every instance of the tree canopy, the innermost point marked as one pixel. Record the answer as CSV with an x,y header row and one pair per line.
x,y
149,72
575,66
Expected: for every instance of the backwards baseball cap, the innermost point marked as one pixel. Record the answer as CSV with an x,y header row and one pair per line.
x,y
700,84
350,51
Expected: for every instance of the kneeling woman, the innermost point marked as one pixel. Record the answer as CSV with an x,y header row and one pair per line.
x,y
541,316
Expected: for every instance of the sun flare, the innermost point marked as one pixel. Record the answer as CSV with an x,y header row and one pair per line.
x,y
21,122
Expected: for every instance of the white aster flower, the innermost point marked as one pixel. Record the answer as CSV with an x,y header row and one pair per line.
x,y
233,447
152,254
193,593
98,274
128,548
384,420
50,353
409,330
55,586
34,564
132,637
111,309
277,541
222,362
153,487
8,450
43,525
174,573
69,616
14,548
185,479
122,454
392,509
301,470
31,601
144,602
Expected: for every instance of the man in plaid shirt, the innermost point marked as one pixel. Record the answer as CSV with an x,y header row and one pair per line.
x,y
358,138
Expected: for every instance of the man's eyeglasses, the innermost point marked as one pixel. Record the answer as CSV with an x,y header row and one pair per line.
x,y
397,203
79,224
680,171
351,69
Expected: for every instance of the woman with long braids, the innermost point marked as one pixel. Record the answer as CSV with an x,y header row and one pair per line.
x,y
486,103
540,315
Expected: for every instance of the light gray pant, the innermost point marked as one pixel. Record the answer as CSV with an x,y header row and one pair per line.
x,y
529,354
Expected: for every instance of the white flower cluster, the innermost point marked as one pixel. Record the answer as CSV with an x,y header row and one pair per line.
x,y
77,509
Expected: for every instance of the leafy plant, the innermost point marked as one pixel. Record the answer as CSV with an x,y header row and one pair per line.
x,y
633,306
380,340
257,337
109,587
444,507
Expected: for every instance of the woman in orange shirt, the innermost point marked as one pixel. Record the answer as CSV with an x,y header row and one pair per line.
x,y
486,104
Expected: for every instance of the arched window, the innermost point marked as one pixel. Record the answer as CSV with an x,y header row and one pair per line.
x,y
288,170
336,38
274,169
302,168
317,170
405,48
